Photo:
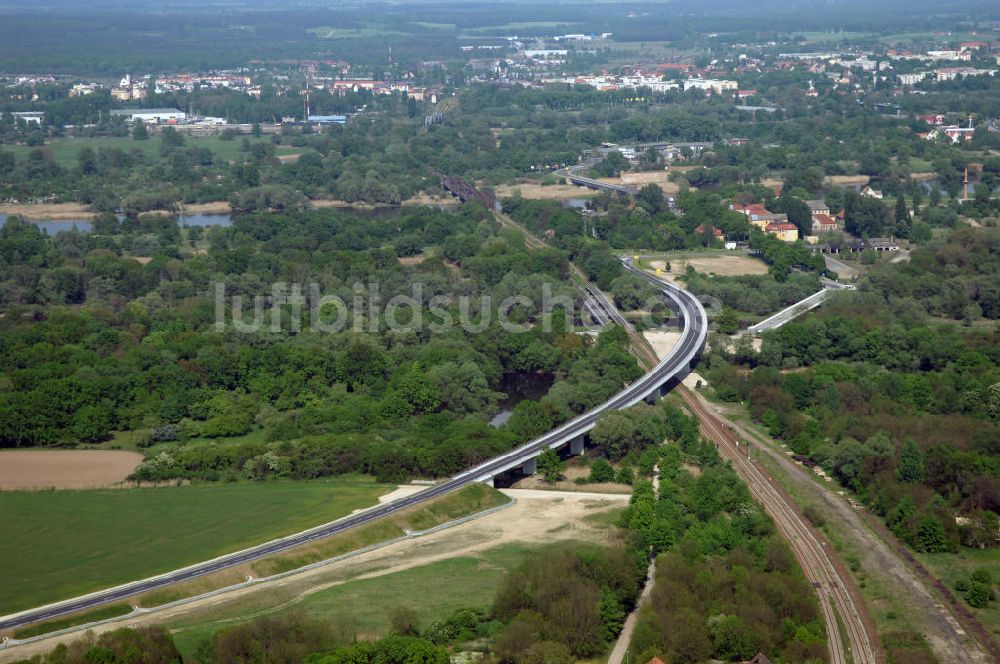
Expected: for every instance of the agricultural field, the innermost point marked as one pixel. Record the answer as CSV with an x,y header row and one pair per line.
x,y
442,571
64,469
59,544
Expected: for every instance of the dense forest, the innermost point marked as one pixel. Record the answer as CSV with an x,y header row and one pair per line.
x,y
895,391
87,328
75,40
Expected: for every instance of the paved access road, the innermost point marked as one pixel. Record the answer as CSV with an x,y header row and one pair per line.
x,y
676,363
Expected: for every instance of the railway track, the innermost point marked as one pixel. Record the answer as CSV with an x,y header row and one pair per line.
x,y
833,589
832,584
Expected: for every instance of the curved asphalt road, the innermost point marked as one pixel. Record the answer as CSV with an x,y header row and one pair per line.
x,y
676,363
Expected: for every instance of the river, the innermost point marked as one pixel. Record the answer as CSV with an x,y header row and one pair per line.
x,y
86,225
519,386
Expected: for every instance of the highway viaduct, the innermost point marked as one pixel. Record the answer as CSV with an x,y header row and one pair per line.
x,y
650,387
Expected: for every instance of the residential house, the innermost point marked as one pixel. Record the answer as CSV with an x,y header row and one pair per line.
x,y
911,78
824,223
762,221
873,193
82,89
784,231
758,215
715,231
956,133
749,209
818,207
754,212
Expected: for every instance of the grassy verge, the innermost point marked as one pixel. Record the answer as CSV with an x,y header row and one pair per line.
x,y
469,500
433,591
59,544
950,567
103,613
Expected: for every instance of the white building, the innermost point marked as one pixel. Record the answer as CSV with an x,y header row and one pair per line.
x,y
151,115
31,117
82,89
949,55
546,54
711,85
912,79
951,73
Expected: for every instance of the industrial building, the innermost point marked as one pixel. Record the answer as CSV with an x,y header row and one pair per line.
x,y
328,119
151,115
35,117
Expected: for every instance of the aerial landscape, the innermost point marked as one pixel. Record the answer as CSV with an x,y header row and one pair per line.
x,y
430,332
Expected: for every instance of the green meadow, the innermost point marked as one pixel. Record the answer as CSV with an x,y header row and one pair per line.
x,y
59,544
65,150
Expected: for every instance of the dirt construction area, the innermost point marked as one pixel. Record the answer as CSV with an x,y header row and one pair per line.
x,y
537,518
536,191
724,265
642,178
64,469
567,483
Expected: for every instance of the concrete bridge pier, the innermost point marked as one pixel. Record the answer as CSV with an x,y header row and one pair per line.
x,y
530,466
576,446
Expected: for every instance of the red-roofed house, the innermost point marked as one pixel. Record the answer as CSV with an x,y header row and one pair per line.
x,y
784,231
655,660
871,193
759,658
750,209
823,223
715,231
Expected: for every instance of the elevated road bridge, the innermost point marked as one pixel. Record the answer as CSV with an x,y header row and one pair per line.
x,y
650,387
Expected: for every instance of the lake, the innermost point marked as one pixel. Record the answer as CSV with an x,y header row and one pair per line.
x,y
85,225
